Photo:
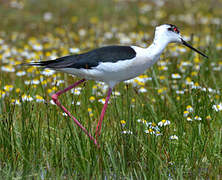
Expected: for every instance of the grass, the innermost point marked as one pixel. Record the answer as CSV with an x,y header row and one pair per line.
x,y
38,141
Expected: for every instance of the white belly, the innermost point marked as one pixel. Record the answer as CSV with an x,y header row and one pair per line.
x,y
109,72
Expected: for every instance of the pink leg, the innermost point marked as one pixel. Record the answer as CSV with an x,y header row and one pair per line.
x,y
55,99
98,128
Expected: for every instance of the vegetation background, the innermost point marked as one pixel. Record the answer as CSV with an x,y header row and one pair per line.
x,y
165,124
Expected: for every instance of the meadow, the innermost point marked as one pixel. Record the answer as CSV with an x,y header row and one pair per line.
x,y
164,124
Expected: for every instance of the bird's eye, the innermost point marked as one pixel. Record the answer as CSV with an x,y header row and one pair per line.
x,y
175,30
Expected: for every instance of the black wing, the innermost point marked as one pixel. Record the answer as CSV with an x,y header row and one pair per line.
x,y
91,58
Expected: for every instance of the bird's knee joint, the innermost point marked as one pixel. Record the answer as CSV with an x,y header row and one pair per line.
x,y
54,97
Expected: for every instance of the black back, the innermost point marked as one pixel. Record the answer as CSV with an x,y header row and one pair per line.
x,y
92,58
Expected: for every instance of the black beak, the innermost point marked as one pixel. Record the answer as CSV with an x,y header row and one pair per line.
x,y
186,44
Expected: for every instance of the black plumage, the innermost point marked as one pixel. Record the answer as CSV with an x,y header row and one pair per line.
x,y
90,59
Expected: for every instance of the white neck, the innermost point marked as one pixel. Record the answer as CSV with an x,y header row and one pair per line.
x,y
157,47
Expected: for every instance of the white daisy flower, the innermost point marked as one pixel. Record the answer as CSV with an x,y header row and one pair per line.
x,y
217,107
174,137
164,122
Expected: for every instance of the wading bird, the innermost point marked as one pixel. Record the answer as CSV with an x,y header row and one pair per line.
x,y
112,64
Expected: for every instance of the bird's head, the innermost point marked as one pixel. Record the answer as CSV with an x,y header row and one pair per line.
x,y
171,34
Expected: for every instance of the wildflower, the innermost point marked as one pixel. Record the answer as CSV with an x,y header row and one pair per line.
x,y
129,81
139,120
185,113
50,91
64,114
186,63
31,69
127,132
27,82
189,108
20,73
90,112
58,82
163,68
194,73
92,98
163,63
17,90
44,82
197,118
94,20
15,101
89,109
26,97
161,90
162,77
152,125
47,16
133,100
52,102
217,96
123,123
76,91
74,50
48,72
37,47
164,122
179,92
142,90
74,19
34,81
174,137
208,117
188,81
8,68
158,133
197,59
196,86
39,98
143,121
2,94
1,41
150,131
144,78
217,107
115,93
108,35
103,100
153,100
176,76
145,8
139,83
77,103
189,119
82,32
8,88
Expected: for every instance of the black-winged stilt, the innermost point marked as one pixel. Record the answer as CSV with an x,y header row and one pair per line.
x,y
113,64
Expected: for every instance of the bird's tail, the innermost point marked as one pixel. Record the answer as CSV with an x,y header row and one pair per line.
x,y
61,62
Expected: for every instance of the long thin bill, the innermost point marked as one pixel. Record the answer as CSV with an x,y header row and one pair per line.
x,y
186,44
